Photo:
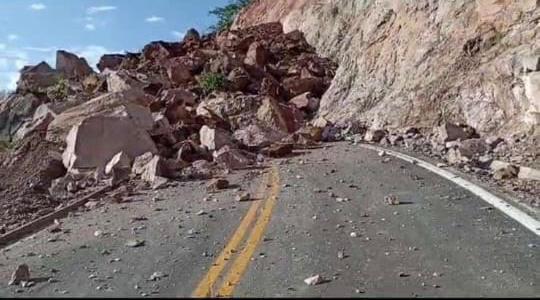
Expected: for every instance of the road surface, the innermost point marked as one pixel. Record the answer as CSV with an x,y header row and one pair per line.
x,y
319,213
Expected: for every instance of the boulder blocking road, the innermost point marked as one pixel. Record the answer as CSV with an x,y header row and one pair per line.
x,y
322,212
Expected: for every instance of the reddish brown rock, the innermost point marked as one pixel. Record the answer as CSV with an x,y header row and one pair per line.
x,y
255,136
37,77
448,132
256,55
178,105
156,51
375,135
110,61
217,184
72,66
278,150
306,102
238,79
299,85
178,72
233,158
280,116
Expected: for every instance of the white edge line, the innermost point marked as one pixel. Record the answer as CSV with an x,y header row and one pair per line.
x,y
521,217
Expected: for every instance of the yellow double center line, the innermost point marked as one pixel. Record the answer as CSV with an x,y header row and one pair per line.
x,y
241,261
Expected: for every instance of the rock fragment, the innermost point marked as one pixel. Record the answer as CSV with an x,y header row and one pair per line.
x,y
314,280
243,197
135,243
217,184
391,200
20,275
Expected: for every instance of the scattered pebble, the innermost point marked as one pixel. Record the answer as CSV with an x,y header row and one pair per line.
x,y
314,280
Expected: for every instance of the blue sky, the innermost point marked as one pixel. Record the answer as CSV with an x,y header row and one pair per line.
x,y
32,31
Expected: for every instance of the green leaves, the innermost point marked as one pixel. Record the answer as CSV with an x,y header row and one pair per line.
x,y
210,82
226,14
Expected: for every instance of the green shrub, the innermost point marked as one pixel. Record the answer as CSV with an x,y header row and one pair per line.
x,y
58,92
211,82
226,14
5,145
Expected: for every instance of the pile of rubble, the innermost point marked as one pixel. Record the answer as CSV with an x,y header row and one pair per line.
x,y
196,109
508,163
175,111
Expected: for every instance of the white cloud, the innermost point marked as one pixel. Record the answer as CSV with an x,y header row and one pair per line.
x,y
154,19
97,9
40,49
20,63
90,27
38,6
11,60
12,37
8,80
91,53
178,34
2,46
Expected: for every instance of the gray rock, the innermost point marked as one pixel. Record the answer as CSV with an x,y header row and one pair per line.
x,y
21,274
530,63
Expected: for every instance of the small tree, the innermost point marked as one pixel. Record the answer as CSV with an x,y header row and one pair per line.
x,y
227,13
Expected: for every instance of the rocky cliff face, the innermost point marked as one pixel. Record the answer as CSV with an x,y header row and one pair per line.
x,y
421,62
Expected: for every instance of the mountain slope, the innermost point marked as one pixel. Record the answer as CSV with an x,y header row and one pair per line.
x,y
421,62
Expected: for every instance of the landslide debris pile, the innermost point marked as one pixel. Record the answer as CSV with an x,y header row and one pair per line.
x,y
184,110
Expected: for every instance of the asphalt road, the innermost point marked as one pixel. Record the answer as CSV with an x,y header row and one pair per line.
x,y
321,212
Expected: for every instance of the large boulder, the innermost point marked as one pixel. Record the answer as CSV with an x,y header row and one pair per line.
x,y
256,55
110,61
14,113
95,140
233,158
448,132
72,66
214,138
306,102
375,135
472,147
120,81
119,168
299,85
240,110
280,116
178,71
531,82
43,116
154,170
529,173
38,77
140,162
156,51
178,105
131,103
255,136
